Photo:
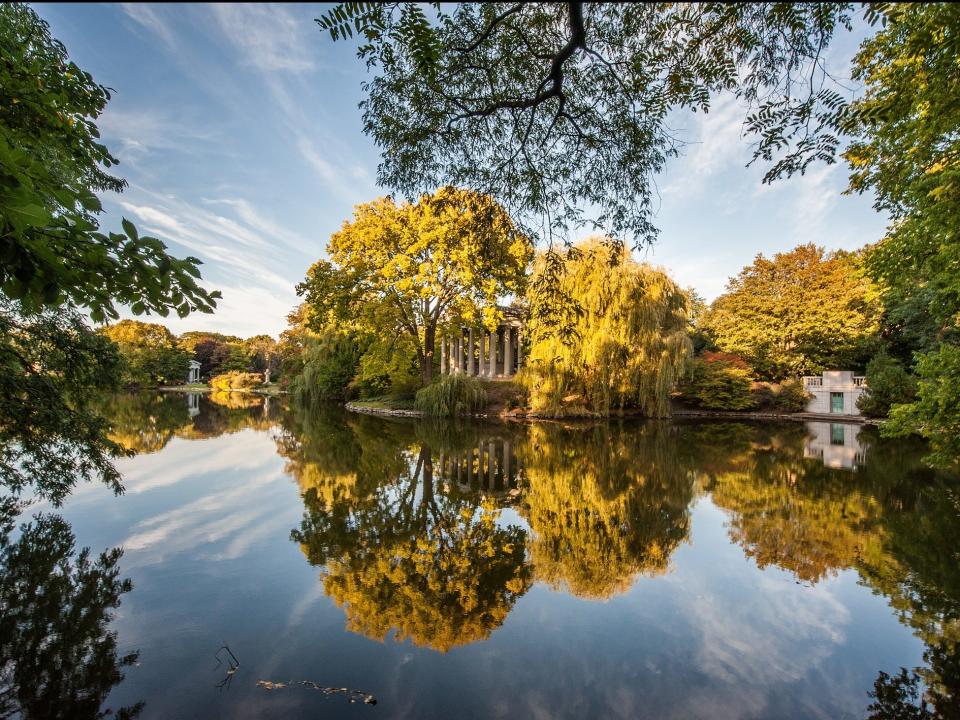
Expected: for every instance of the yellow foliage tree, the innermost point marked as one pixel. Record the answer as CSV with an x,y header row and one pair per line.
x,y
400,269
629,339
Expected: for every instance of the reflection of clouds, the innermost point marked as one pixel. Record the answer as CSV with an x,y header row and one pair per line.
x,y
755,630
186,459
233,517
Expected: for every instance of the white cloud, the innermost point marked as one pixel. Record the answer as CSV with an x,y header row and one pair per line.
x,y
146,15
254,261
267,36
719,147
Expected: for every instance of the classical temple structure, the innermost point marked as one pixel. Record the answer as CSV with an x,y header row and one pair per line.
x,y
496,354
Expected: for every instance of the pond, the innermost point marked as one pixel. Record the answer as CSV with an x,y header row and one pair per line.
x,y
306,563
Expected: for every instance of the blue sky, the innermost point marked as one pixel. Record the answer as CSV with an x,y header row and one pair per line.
x,y
238,130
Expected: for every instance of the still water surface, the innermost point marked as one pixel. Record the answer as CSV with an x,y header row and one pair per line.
x,y
626,570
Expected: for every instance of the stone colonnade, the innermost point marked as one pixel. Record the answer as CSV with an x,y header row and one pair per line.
x,y
482,353
490,466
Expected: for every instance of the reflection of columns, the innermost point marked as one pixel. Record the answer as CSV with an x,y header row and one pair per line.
x,y
470,466
507,351
506,464
443,356
470,370
493,465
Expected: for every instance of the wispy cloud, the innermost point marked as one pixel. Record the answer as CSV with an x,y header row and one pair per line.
x,y
254,261
147,16
266,36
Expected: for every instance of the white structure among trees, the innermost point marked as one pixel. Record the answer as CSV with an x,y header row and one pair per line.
x,y
482,353
193,374
835,392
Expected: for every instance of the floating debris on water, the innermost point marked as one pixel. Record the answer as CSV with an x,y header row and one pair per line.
x,y
351,695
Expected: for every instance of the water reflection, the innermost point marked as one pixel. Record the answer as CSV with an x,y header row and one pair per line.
x,y
401,549
436,533
59,659
144,422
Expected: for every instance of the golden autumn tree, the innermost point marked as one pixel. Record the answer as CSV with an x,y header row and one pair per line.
x,y
629,337
399,269
802,311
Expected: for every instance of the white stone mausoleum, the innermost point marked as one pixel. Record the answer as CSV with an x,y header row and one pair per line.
x,y
835,392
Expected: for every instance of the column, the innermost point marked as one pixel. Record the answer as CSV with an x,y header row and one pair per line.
x,y
493,354
519,351
490,354
508,351
443,356
470,367
458,365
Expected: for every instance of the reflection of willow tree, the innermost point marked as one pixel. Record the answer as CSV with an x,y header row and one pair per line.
x,y
401,554
57,657
604,504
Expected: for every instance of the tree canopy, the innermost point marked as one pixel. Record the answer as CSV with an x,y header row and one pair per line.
x,y
802,311
51,165
402,269
552,108
150,353
908,154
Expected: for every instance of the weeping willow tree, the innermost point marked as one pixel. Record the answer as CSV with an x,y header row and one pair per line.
x,y
629,335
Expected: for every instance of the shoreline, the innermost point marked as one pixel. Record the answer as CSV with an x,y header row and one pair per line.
x,y
357,407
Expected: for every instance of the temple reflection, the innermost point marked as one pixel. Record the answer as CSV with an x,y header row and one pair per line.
x,y
489,467
836,445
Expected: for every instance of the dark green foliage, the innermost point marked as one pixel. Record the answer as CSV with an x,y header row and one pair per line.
x,y
888,384
51,364
718,385
553,107
58,658
936,412
330,363
451,395
51,164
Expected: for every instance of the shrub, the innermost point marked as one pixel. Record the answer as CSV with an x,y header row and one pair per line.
x,y
236,381
787,397
790,396
330,362
451,395
888,384
718,385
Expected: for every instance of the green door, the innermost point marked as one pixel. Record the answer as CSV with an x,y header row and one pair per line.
x,y
836,402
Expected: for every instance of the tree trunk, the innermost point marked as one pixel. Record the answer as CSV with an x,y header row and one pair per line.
x,y
426,359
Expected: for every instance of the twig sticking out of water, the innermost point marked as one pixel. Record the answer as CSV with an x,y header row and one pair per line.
x,y
351,695
232,666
